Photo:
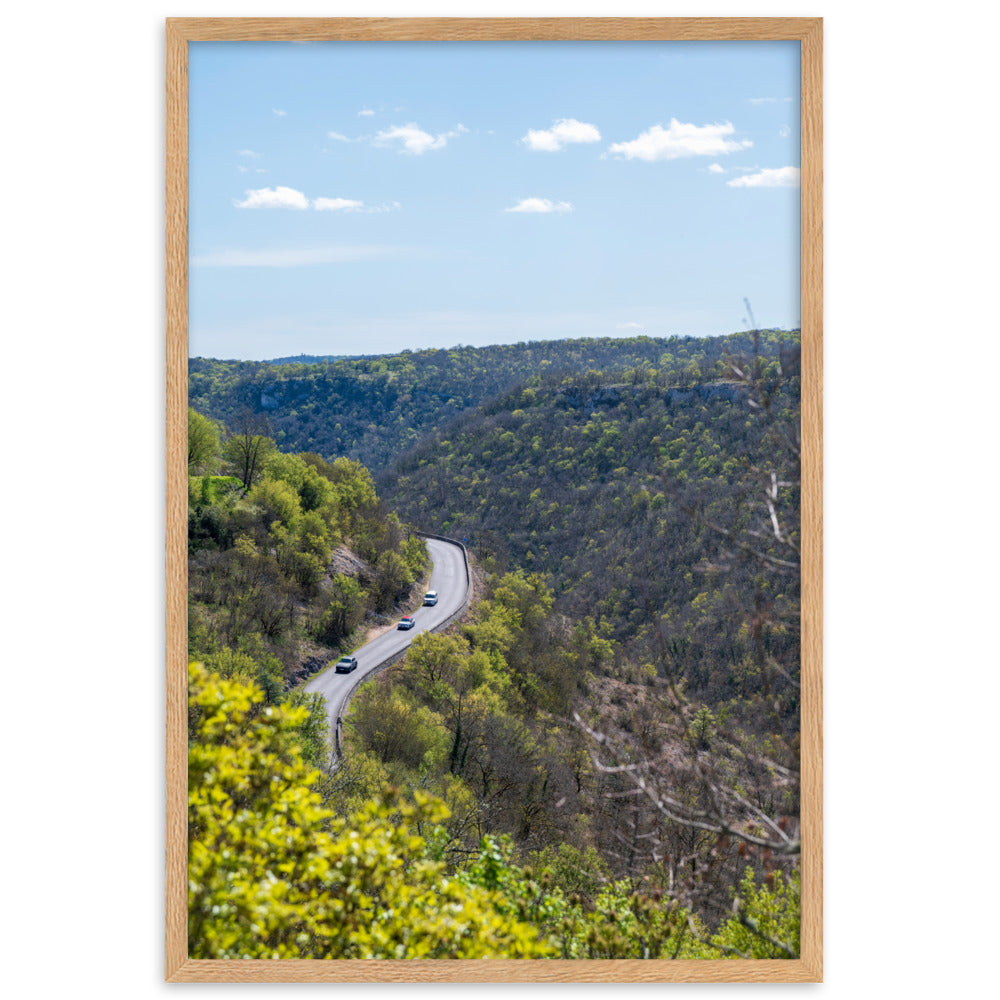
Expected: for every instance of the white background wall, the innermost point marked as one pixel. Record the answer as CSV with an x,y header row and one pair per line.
x,y
911,654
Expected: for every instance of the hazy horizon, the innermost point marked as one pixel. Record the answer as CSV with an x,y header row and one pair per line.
x,y
459,346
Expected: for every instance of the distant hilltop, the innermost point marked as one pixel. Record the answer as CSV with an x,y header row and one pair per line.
x,y
373,408
311,359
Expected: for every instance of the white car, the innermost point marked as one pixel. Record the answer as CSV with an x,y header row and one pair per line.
x,y
346,664
430,598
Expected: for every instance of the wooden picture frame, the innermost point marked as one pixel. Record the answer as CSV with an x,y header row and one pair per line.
x,y
181,31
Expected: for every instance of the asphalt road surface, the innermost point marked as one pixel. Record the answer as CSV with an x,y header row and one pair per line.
x,y
448,579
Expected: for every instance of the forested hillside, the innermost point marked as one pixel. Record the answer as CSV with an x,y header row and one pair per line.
x,y
601,759
373,408
659,525
290,557
607,485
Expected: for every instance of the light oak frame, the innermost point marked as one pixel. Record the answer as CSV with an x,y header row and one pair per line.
x,y
809,33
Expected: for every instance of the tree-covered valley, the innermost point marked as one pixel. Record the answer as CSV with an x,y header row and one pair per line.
x,y
600,759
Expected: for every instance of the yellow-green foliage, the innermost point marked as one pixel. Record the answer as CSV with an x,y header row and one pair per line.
x,y
272,873
203,442
767,919
619,924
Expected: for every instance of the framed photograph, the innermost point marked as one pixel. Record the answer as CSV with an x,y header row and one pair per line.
x,y
494,576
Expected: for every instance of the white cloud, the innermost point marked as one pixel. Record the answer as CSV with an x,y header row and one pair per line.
x,y
365,112
284,197
629,326
250,153
562,133
279,112
779,177
714,168
278,197
338,137
337,205
763,100
415,140
681,139
242,169
540,205
784,131
292,257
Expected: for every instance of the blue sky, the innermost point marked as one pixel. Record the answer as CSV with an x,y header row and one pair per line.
x,y
368,197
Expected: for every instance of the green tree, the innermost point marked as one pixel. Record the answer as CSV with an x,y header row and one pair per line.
x,y
343,613
396,730
392,579
249,664
276,500
353,484
203,443
767,918
574,871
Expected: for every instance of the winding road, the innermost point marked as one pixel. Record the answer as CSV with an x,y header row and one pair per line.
x,y
450,579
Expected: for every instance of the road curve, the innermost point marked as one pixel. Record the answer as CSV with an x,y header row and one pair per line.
x,y
449,579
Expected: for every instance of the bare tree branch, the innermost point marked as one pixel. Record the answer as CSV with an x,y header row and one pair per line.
x,y
717,819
